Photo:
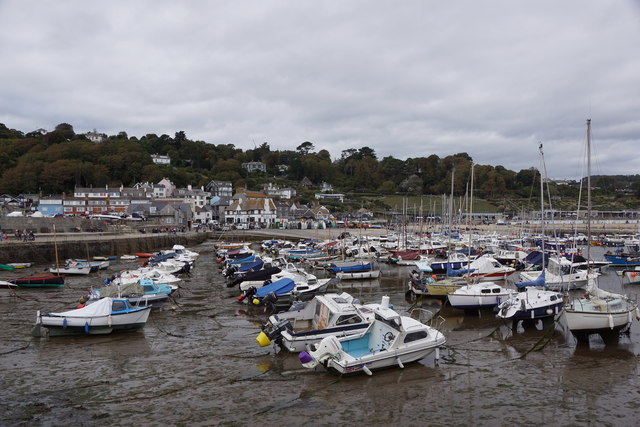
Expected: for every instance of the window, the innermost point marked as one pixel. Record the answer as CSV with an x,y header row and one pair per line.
x,y
415,336
348,319
118,305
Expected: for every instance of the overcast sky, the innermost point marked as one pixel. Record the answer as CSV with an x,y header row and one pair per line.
x,y
405,78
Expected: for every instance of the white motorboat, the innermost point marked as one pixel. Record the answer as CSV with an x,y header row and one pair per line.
x,y
358,275
533,301
71,268
309,322
560,274
105,316
479,295
390,340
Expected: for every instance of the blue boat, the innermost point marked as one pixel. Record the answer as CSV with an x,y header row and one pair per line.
x,y
250,266
249,258
624,259
350,267
279,287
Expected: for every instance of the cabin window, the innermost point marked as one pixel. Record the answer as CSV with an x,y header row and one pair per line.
x,y
415,336
348,319
496,291
552,298
118,306
485,291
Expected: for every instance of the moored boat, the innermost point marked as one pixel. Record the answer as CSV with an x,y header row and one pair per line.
x,y
105,316
309,322
38,280
390,340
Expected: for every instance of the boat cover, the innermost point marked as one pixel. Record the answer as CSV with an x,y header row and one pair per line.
x,y
538,282
102,307
280,287
459,272
249,258
251,266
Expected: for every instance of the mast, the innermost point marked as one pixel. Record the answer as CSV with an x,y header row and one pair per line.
x,y
542,205
55,246
588,194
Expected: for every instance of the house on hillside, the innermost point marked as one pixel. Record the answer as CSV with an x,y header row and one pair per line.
x,y
220,188
306,183
273,190
254,166
169,188
95,137
160,159
196,196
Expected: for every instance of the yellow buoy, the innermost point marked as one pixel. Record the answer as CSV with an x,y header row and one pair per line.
x,y
263,339
256,301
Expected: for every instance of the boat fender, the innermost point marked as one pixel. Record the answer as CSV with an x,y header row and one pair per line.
x,y
366,370
400,363
637,313
64,323
86,327
610,321
109,318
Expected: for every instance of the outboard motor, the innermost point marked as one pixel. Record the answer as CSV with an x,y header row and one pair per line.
x,y
327,348
265,338
269,301
247,294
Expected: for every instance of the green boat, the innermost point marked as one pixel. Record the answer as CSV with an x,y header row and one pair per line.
x,y
6,267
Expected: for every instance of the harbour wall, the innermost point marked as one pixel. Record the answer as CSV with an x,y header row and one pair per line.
x,y
86,246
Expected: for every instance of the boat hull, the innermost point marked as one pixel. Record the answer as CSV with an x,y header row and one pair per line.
x,y
39,281
358,275
581,322
382,360
476,300
57,325
537,312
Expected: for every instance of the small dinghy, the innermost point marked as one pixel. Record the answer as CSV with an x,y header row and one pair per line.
x,y
104,316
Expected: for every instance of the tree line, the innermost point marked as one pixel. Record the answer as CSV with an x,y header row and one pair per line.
x,y
55,162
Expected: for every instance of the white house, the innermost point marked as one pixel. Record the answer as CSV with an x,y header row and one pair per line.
x,y
255,166
330,196
250,207
95,137
159,159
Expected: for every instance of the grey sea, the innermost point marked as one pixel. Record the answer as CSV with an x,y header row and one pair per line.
x,y
196,362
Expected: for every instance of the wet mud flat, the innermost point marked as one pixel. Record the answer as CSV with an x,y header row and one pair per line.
x,y
196,362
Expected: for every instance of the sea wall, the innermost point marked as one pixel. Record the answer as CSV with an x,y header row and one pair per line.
x,y
86,247
9,225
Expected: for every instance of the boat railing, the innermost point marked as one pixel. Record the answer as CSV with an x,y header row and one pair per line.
x,y
427,317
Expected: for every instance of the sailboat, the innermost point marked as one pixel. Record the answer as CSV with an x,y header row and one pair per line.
x,y
598,311
477,295
533,301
